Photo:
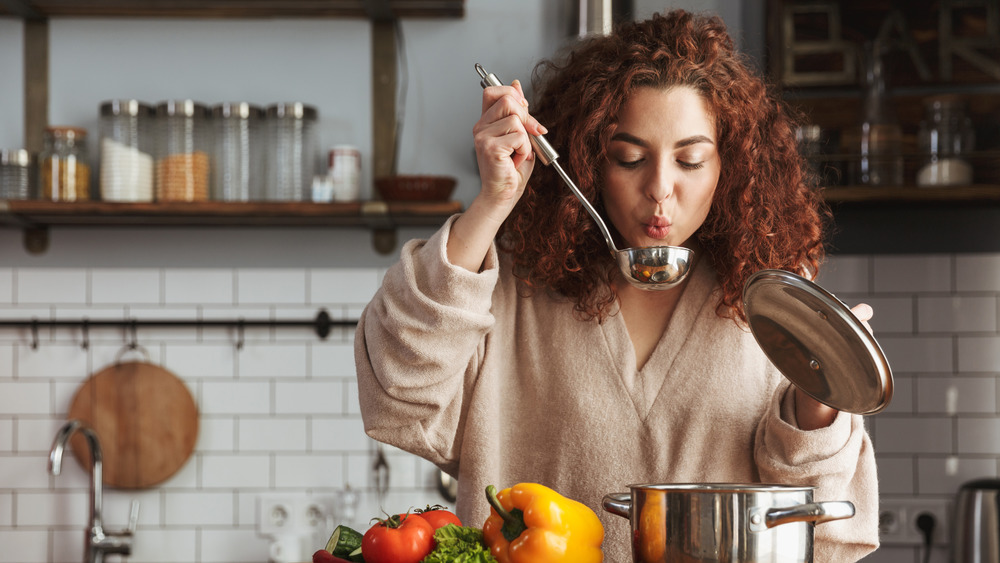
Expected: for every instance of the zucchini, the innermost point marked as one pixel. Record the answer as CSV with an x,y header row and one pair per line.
x,y
356,556
343,541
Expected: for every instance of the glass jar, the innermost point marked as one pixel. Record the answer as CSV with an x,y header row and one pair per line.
x,y
292,151
945,138
15,174
182,151
64,172
126,149
237,174
878,141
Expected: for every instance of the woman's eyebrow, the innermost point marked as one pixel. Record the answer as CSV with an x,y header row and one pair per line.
x,y
692,140
627,138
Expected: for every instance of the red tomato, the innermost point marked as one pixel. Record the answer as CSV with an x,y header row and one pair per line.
x,y
403,538
438,516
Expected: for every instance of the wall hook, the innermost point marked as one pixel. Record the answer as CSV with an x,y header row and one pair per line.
x,y
85,328
239,334
133,333
34,333
132,345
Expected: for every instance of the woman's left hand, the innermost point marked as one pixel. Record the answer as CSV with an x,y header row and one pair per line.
x,y
812,414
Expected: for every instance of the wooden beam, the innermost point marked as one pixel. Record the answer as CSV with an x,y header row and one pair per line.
x,y
36,82
384,82
19,8
372,9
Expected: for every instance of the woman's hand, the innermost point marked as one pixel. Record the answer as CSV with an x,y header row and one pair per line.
x,y
505,157
503,146
812,414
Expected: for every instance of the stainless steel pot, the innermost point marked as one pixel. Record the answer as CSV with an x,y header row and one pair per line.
x,y
723,522
976,527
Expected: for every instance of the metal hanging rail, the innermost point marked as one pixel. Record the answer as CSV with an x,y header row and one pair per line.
x,y
321,324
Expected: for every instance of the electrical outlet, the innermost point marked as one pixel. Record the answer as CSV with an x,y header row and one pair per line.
x,y
315,513
898,521
275,514
293,514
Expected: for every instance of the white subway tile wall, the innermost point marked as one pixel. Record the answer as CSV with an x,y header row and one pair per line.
x,y
936,318
280,415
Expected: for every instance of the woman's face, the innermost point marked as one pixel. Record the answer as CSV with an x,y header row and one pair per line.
x,y
662,167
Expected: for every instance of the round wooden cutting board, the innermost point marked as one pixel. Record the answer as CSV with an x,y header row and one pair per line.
x,y
146,419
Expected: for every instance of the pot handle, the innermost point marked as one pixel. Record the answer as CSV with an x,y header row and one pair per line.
x,y
618,503
817,512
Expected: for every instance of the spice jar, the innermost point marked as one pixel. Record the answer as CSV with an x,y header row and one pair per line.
x,y
15,174
237,174
344,170
292,151
126,162
945,138
64,172
182,151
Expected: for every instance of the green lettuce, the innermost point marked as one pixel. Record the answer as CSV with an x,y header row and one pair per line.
x,y
459,544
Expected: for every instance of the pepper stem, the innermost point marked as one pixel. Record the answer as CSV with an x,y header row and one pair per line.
x,y
513,520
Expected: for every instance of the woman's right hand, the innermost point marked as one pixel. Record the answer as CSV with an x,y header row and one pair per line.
x,y
506,159
503,146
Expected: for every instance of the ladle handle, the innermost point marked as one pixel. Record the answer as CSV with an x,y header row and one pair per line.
x,y
543,149
548,156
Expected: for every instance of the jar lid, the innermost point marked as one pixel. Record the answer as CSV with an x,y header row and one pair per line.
x,y
242,110
125,107
296,110
181,108
15,157
68,132
817,342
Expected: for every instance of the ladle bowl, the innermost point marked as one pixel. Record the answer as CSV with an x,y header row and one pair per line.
x,y
645,267
654,267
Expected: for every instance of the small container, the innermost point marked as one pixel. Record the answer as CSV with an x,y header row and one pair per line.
x,y
292,151
945,138
63,167
182,151
15,174
237,174
126,161
877,141
344,171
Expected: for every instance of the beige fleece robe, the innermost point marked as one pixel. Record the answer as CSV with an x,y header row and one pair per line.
x,y
500,388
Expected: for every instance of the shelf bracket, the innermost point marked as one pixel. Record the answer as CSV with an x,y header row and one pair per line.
x,y
376,214
36,240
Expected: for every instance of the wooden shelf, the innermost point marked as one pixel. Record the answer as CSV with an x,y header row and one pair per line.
x,y
39,9
383,218
986,194
32,213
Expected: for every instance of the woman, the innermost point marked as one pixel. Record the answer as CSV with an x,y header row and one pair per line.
x,y
509,348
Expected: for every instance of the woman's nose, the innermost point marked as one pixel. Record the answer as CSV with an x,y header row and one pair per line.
x,y
661,185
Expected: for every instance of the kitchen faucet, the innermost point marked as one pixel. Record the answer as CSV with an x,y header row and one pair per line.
x,y
97,542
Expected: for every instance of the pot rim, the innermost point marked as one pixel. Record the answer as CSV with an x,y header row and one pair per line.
x,y
722,487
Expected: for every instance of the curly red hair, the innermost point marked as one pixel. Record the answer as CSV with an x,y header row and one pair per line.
x,y
766,213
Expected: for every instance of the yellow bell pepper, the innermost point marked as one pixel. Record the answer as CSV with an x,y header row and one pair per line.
x,y
531,523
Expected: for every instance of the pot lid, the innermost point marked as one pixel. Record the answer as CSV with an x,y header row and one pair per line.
x,y
817,343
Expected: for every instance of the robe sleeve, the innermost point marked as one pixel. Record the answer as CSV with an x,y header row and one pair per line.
x,y
417,347
838,460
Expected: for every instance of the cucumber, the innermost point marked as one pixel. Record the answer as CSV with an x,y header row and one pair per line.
x,y
343,541
356,556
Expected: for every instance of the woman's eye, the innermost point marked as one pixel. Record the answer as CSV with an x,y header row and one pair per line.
x,y
691,165
629,164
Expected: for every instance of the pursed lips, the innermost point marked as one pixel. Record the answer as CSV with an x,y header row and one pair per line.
x,y
657,227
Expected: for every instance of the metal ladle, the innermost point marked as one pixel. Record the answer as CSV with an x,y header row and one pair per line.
x,y
646,267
